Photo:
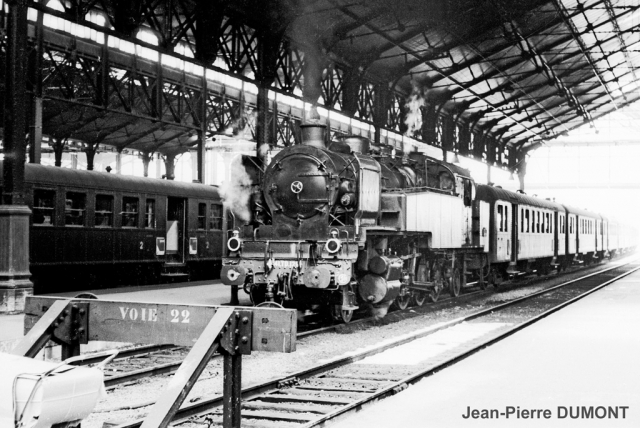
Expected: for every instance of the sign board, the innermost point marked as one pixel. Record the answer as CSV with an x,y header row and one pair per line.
x,y
272,329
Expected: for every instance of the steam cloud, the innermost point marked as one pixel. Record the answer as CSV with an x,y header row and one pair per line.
x,y
239,127
413,118
236,191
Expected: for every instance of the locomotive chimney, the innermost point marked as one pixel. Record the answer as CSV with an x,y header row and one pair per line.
x,y
313,135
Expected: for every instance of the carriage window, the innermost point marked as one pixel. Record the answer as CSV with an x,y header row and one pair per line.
x,y
545,222
104,211
546,217
527,220
537,221
44,203
202,216
521,220
500,224
215,217
129,212
506,218
150,214
75,205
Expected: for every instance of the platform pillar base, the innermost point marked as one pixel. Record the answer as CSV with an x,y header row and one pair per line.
x,y
12,299
15,285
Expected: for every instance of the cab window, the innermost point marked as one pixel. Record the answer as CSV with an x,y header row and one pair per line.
x,y
468,192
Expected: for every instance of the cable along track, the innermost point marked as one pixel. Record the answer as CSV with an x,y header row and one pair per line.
x,y
336,387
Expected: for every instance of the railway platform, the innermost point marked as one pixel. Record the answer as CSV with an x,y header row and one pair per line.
x,y
575,368
209,292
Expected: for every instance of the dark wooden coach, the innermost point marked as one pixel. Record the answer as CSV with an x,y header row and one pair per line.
x,y
94,229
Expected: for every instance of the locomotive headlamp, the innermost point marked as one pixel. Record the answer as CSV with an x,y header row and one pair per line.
x,y
234,243
333,245
348,200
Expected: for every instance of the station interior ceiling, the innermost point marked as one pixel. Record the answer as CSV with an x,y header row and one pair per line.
x,y
531,69
526,72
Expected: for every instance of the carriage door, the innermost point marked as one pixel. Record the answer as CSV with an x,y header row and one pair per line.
x,y
503,232
175,228
514,232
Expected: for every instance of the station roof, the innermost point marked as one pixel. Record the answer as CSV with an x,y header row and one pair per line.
x,y
525,71
529,69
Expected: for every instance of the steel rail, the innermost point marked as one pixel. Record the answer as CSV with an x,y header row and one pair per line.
x,y
137,351
401,384
170,367
208,405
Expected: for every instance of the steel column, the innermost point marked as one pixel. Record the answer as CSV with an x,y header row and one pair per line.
x,y
14,214
169,166
15,118
232,390
146,160
35,89
350,86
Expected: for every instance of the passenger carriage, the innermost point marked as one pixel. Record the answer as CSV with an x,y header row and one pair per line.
x,y
521,231
94,229
582,241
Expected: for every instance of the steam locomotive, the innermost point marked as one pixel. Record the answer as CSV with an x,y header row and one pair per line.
x,y
341,225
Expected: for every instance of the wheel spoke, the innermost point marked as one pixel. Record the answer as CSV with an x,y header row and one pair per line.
x,y
419,297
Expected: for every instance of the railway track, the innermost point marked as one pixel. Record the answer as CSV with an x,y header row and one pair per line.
x,y
153,360
333,388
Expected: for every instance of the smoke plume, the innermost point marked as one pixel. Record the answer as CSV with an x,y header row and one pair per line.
x,y
236,190
413,118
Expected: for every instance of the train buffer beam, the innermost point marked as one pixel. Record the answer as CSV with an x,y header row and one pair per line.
x,y
230,331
